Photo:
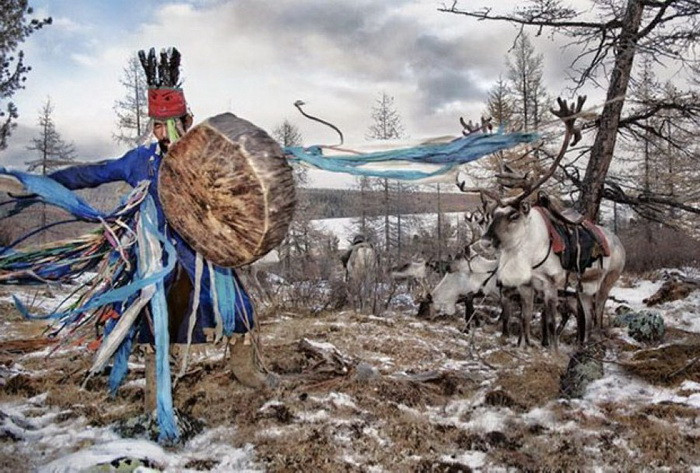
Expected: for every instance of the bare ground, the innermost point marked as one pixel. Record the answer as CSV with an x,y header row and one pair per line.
x,y
417,396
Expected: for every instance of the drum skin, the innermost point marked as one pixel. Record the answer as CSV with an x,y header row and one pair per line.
x,y
228,190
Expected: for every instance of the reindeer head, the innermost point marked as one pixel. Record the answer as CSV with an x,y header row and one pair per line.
x,y
508,226
509,217
466,276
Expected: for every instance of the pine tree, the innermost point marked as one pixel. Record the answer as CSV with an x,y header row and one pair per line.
x,y
53,151
132,109
15,27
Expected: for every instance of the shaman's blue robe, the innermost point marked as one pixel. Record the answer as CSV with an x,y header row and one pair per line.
x,y
143,163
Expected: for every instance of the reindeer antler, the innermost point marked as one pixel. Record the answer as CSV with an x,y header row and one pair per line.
x,y
512,179
568,114
470,127
509,178
477,190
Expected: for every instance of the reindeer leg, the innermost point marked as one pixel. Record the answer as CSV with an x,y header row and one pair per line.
x,y
602,296
568,309
551,325
545,327
549,316
506,312
527,301
423,288
585,317
469,312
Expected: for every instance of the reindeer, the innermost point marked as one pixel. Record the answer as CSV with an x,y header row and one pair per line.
x,y
360,271
470,274
416,270
526,262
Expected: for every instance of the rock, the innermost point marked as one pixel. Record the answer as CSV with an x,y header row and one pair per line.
x,y
365,372
145,426
584,368
643,325
646,326
623,316
122,465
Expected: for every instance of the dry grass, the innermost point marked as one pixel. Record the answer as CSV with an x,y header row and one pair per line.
x,y
668,365
535,383
398,418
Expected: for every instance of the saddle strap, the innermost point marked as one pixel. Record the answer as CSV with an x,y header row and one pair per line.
x,y
599,236
558,244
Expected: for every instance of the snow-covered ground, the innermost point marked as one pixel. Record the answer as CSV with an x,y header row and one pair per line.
x,y
421,396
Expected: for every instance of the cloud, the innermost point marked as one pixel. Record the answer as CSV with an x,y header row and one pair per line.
x,y
84,59
255,58
67,25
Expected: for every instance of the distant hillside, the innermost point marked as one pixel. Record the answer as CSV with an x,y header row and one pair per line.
x,y
324,203
334,203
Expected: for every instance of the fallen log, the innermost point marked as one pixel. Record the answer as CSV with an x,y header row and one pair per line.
x,y
18,347
676,288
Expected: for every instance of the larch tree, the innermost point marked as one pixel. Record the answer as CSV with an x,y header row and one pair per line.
x,y
53,151
607,37
387,125
298,241
499,105
525,69
16,25
287,134
132,108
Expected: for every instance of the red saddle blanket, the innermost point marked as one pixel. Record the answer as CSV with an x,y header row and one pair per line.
x,y
578,246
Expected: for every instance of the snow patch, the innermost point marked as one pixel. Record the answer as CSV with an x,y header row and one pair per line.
x,y
540,416
105,453
472,458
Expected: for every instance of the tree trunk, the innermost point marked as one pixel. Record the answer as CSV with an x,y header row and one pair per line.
x,y
604,145
439,224
387,245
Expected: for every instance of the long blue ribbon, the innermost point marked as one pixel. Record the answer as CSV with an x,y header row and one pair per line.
x,y
167,424
460,151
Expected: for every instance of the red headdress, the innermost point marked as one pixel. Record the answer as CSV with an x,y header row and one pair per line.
x,y
165,97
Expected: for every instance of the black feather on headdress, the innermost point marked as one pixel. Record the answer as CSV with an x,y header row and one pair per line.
x,y
144,64
174,66
163,69
150,70
163,73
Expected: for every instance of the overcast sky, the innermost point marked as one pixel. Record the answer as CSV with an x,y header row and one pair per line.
x,y
256,57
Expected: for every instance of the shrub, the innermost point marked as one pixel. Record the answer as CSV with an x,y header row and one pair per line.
x,y
650,246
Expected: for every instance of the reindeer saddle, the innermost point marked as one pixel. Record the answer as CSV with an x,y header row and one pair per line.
x,y
578,245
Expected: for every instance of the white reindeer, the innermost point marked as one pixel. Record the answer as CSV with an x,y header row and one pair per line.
x,y
417,271
470,274
526,262
361,272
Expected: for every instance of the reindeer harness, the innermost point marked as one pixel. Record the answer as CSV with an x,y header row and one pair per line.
x,y
578,245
